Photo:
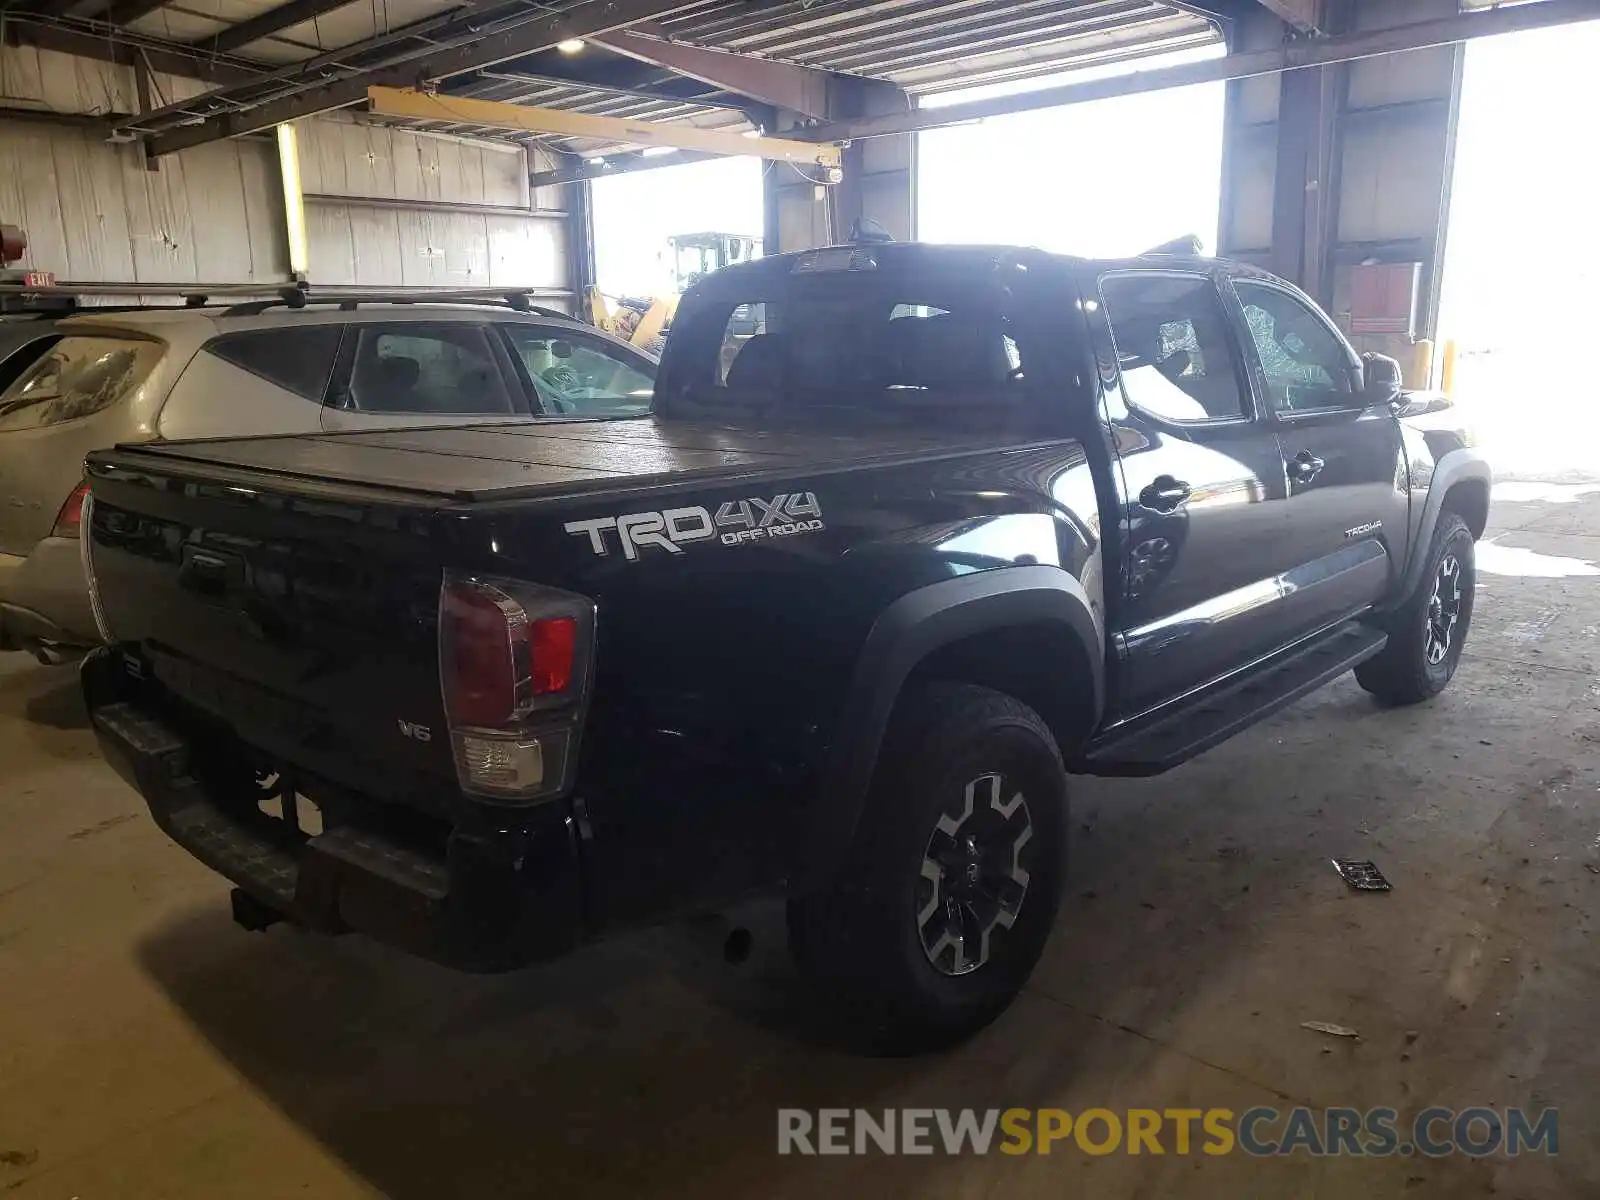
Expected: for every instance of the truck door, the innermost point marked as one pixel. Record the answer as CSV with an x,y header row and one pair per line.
x,y
1201,486
1343,462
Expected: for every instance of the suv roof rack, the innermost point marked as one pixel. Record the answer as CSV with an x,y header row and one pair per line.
x,y
66,299
349,299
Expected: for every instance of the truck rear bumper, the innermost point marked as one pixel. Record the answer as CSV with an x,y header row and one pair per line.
x,y
494,901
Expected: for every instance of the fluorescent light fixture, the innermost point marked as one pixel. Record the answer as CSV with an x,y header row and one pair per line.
x,y
571,46
751,133
294,205
597,161
657,151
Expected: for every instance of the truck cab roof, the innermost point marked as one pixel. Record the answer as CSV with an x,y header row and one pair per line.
x,y
935,259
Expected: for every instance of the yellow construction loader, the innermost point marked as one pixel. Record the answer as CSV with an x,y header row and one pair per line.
x,y
645,321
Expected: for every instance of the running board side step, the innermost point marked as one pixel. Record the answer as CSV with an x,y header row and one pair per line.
x,y
1159,745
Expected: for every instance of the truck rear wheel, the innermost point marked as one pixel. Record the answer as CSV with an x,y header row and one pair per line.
x,y
1427,632
937,918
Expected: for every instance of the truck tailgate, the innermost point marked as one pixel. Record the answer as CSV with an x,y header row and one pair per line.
x,y
289,587
306,627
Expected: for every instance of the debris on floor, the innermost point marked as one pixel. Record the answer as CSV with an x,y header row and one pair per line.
x,y
1343,1031
1361,875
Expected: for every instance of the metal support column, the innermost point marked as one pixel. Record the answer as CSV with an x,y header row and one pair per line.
x,y
581,269
876,184
1306,186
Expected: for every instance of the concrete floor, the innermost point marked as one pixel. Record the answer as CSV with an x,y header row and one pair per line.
x,y
148,1048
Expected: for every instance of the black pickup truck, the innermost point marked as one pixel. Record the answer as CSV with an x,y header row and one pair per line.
x,y
913,534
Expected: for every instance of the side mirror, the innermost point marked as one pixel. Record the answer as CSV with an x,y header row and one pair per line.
x,y
1420,404
1382,377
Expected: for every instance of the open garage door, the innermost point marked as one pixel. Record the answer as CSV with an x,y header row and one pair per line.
x,y
1520,277
635,215
1107,178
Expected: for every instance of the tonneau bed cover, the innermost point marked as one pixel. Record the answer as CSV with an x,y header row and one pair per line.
x,y
505,462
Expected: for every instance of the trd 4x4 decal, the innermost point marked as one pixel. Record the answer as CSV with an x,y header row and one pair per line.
x,y
737,521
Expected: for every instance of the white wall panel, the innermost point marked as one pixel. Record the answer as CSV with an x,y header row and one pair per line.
x,y
359,244
1393,179
505,245
214,214
341,157
93,213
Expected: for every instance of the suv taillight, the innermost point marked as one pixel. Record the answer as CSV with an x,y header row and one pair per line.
x,y
70,519
514,667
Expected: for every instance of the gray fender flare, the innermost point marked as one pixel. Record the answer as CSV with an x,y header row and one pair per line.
x,y
905,633
1459,466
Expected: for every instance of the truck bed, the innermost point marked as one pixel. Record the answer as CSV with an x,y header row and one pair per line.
x,y
476,463
288,587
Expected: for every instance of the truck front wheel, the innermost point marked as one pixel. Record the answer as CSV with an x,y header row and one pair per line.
x,y
941,911
1427,632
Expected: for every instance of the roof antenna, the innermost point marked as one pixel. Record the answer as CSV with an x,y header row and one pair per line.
x,y
867,232
1189,245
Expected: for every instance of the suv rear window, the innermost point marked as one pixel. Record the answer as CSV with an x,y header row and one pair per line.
x,y
79,376
299,360
870,347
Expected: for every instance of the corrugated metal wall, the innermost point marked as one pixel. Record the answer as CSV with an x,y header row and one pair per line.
x,y
94,213
389,206
1394,150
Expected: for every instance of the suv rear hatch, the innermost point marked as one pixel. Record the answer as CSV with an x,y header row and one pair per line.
x,y
75,398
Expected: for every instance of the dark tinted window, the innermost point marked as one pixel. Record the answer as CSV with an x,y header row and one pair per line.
x,y
855,345
1304,365
446,369
298,360
1172,344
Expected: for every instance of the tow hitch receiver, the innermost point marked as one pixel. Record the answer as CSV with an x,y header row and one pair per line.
x,y
249,913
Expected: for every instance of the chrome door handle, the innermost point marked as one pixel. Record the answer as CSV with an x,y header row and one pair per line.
x,y
1164,495
1305,466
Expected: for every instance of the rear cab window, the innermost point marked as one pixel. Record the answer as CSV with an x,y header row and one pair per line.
x,y
911,346
1174,354
77,377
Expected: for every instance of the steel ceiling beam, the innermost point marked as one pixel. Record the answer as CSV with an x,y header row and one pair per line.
x,y
126,12
274,20
1299,14
483,45
615,164
438,32
536,79
1294,56
165,58
561,122
602,70
783,85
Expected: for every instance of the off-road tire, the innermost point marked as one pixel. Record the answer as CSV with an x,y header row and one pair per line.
x,y
1405,672
951,750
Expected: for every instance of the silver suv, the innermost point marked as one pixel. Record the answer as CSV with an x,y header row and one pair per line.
x,y
260,368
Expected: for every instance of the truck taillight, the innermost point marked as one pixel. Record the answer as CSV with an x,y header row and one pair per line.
x,y
70,519
514,668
